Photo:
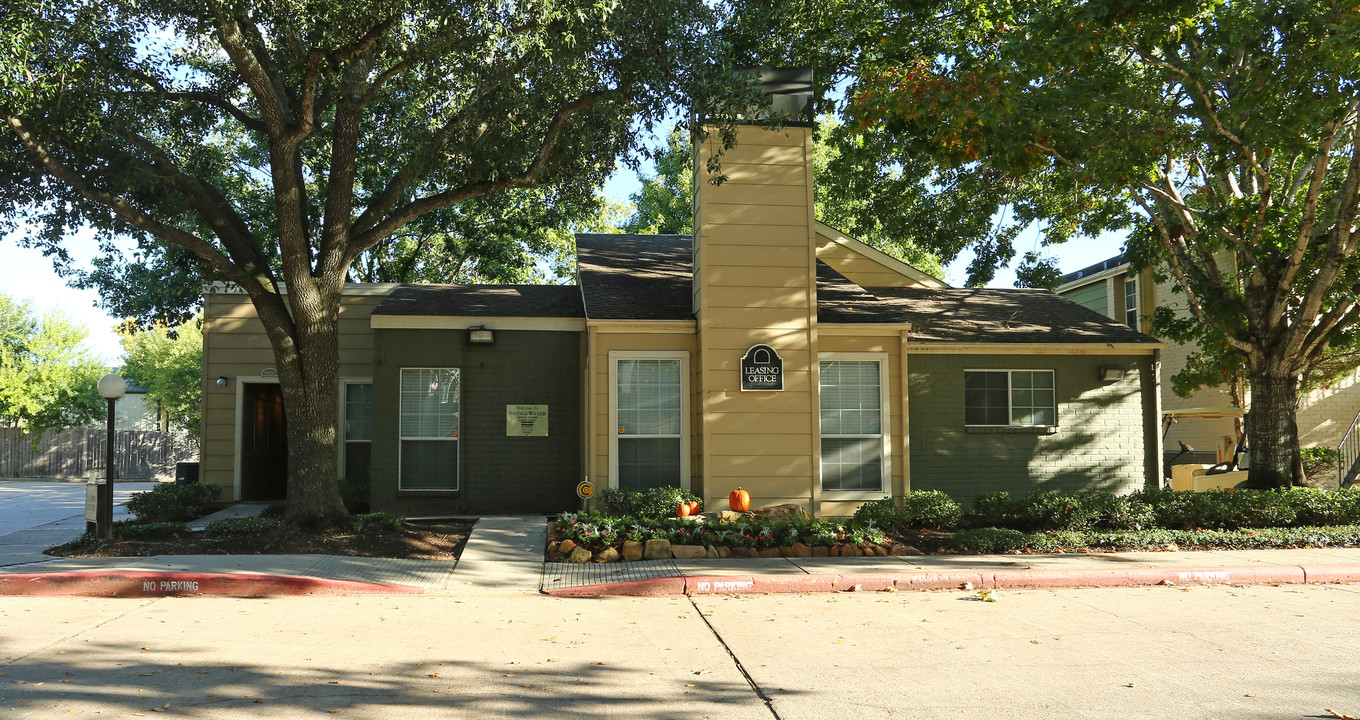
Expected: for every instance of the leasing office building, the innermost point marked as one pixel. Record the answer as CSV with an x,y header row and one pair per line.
x,y
767,351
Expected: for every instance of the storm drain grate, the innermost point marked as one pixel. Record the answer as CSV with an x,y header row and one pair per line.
x,y
565,575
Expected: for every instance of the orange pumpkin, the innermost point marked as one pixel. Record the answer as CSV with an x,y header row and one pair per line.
x,y
694,507
683,510
740,500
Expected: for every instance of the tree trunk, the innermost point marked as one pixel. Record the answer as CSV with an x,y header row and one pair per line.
x,y
308,362
1272,435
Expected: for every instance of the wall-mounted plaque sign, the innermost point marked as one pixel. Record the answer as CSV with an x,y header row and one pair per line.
x,y
526,420
762,369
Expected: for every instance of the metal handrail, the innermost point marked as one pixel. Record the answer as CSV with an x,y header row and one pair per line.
x,y
1348,453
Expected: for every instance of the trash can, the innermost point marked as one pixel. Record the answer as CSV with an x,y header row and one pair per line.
x,y
186,473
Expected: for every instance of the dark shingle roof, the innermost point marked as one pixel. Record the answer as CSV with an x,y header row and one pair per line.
x,y
842,301
1090,270
555,301
636,277
1002,316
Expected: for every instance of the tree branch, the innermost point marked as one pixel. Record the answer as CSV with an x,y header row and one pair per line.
x,y
366,239
121,207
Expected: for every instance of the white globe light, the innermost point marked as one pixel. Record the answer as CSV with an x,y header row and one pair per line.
x,y
112,386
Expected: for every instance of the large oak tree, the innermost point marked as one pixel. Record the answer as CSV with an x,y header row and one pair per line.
x,y
1230,125
279,140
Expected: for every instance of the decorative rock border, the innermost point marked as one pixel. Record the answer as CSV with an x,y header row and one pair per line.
x,y
568,551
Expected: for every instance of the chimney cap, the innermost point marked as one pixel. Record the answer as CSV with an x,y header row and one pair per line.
x,y
790,90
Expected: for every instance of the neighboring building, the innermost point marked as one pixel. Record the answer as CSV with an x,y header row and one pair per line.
x,y
768,351
1111,287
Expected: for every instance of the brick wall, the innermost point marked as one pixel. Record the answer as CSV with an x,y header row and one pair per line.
x,y
1105,438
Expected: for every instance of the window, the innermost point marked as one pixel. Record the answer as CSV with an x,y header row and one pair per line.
x,y
852,424
429,429
358,431
1131,303
1008,397
651,438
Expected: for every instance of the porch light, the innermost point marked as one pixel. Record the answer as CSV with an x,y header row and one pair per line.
x,y
222,381
480,335
1111,374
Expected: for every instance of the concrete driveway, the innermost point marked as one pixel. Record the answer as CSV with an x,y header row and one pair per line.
x,y
37,514
1236,653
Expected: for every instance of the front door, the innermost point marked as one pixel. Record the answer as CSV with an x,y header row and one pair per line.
x,y
264,443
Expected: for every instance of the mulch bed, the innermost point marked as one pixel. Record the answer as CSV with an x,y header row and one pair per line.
x,y
422,540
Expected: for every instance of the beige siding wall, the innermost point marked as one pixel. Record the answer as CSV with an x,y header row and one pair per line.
x,y
755,272
860,269
235,346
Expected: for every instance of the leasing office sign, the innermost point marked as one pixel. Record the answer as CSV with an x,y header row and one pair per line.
x,y
762,369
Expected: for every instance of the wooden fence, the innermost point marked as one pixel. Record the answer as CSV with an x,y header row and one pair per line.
x,y
140,454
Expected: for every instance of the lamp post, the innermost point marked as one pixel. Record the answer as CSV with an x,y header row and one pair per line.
x,y
111,387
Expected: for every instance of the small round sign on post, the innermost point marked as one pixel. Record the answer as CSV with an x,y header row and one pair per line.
x,y
585,490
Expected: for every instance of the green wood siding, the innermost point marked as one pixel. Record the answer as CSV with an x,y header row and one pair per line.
x,y
1091,296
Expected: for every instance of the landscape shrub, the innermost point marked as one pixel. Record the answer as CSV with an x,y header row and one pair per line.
x,y
919,510
1054,510
379,522
1319,460
998,540
1122,512
658,502
171,503
1325,507
150,531
992,509
237,526
1220,509
988,540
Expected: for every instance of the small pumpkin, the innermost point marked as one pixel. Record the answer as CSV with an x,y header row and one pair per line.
x,y
694,507
740,500
683,510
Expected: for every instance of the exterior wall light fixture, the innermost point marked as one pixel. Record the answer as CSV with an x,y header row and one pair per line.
x,y
222,381
480,335
1111,374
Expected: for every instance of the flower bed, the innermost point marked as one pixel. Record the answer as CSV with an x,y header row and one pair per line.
x,y
929,521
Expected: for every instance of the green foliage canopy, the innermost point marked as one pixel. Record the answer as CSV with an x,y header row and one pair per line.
x,y
168,362
1230,126
47,375
279,141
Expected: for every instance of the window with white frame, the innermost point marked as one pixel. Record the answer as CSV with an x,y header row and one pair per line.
x,y
358,431
429,429
649,407
852,425
1009,397
1131,303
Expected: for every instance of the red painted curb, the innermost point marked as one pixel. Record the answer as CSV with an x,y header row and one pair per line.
x,y
133,583
971,579
1332,574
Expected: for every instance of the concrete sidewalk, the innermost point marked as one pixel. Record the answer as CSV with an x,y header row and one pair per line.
x,y
504,556
955,572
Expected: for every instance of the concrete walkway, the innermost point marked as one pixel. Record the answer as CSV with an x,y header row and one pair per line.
x,y
504,557
35,515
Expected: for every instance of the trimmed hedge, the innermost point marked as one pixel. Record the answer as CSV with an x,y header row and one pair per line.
x,y
1049,511
651,503
596,531
919,510
171,503
1001,540
150,531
